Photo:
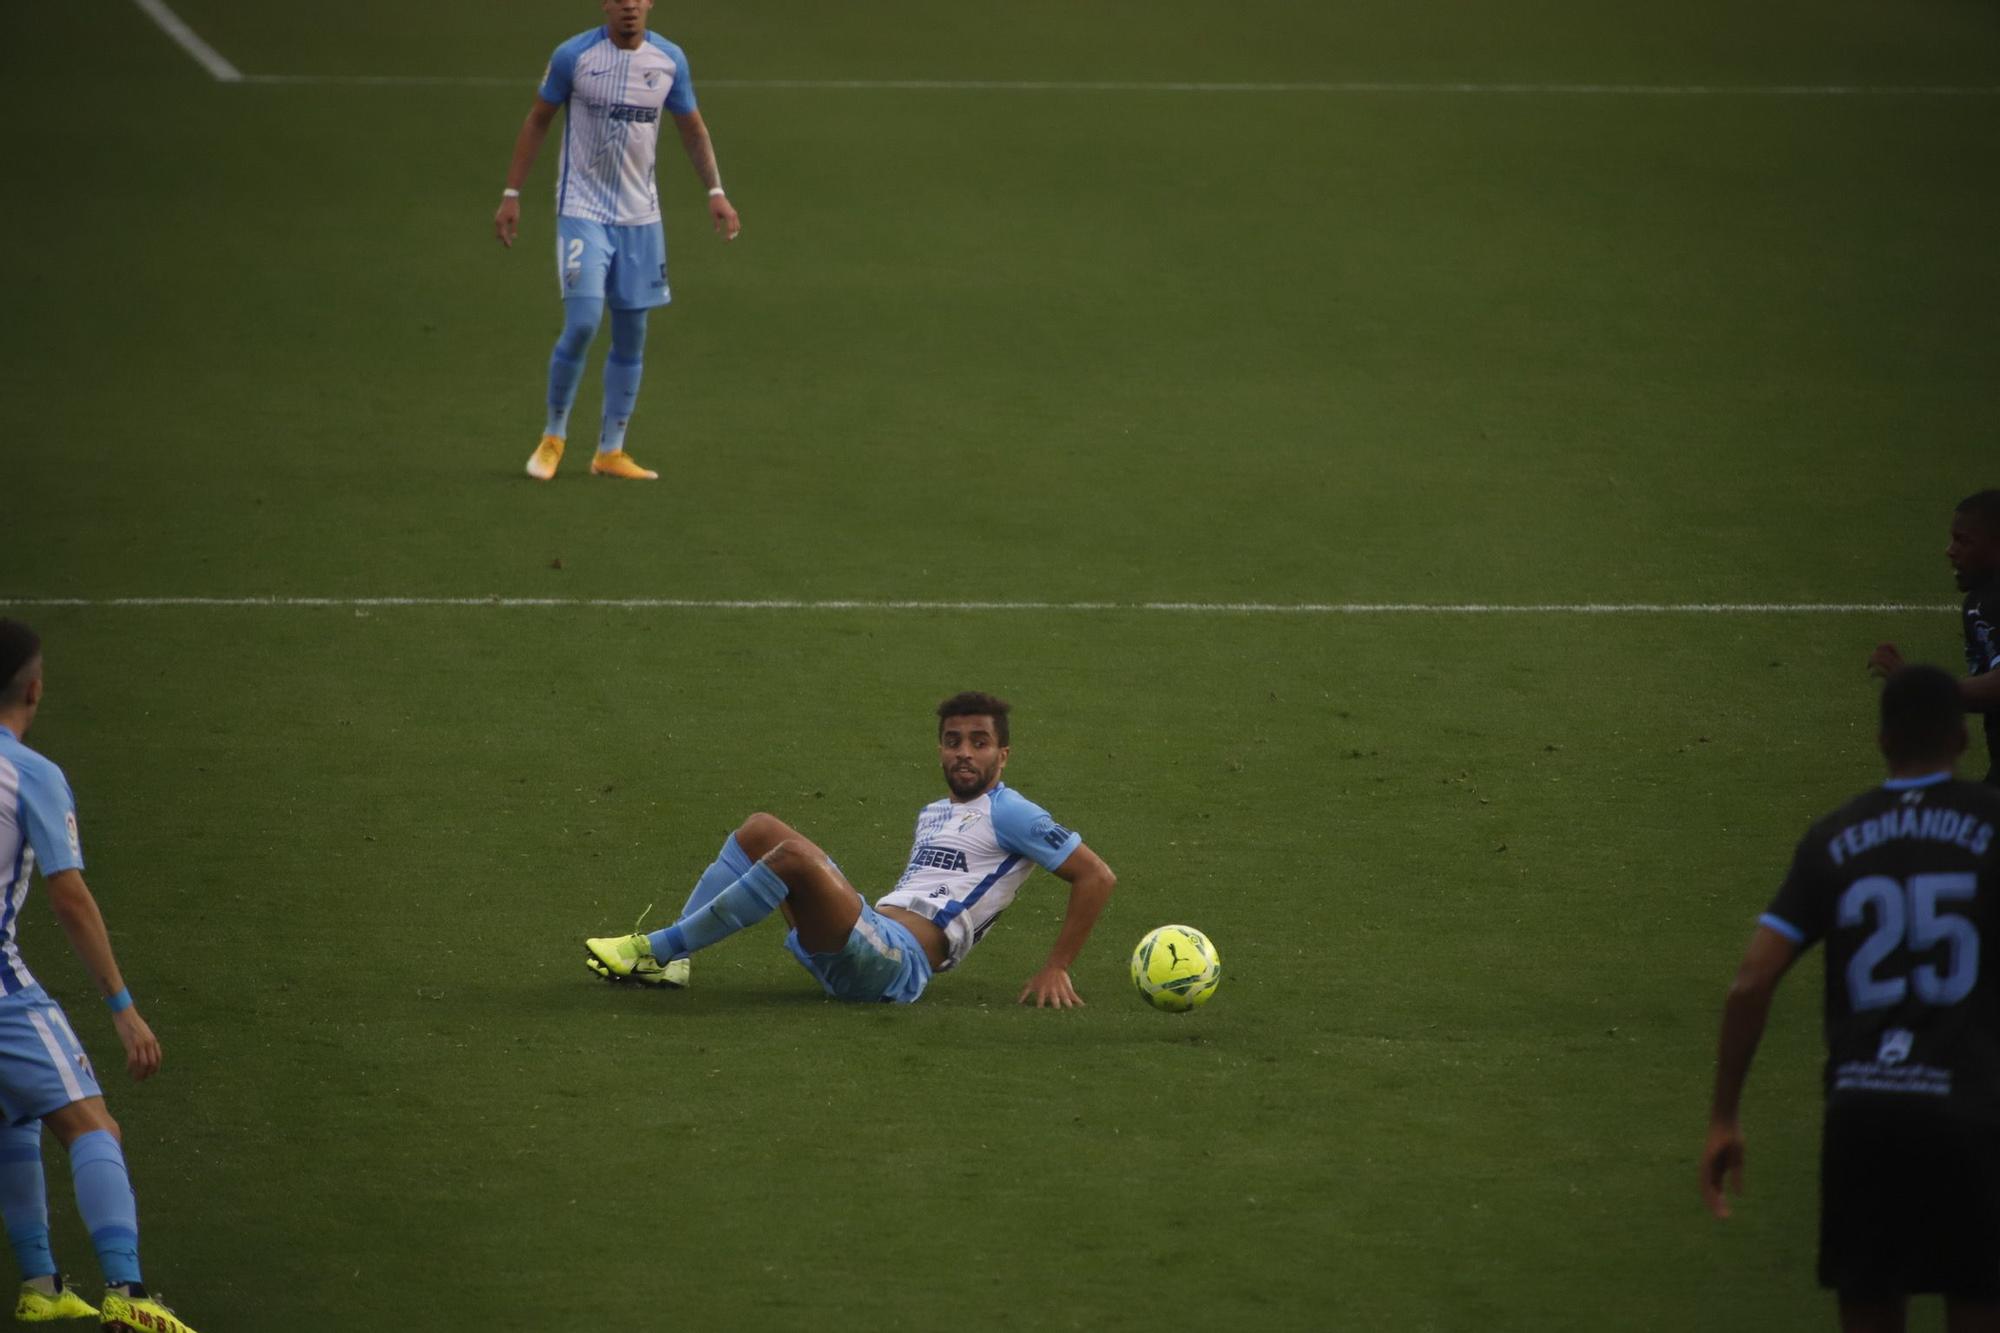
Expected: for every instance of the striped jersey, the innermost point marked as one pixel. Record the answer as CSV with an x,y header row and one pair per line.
x,y
611,129
37,827
969,860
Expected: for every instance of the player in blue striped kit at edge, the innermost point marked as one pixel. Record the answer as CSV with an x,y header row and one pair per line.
x,y
610,246
972,852
45,1077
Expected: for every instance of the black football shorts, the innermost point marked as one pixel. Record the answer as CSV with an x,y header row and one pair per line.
x,y
1909,1201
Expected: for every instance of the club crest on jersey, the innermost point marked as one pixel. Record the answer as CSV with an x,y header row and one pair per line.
x,y
652,78
966,819
1895,1048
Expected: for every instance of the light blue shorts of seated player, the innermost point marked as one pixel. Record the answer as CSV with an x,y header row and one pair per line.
x,y
882,961
42,1065
624,267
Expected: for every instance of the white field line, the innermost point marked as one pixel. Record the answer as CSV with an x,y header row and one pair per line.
x,y
868,604
1351,88
190,41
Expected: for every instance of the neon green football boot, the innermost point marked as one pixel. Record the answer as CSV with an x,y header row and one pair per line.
x,y
628,959
140,1314
37,1307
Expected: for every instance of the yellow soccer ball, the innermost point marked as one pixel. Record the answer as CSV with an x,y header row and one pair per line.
x,y
1175,968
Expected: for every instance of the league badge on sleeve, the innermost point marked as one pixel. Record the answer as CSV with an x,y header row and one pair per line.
x,y
75,843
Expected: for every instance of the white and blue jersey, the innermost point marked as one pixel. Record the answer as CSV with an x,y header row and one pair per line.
x,y
611,132
37,826
969,860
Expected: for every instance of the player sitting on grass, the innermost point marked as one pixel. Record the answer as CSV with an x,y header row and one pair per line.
x,y
972,851
45,1077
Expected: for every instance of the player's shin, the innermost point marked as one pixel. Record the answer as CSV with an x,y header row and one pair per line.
x,y
730,864
745,902
621,397
24,1199
581,316
623,369
104,1200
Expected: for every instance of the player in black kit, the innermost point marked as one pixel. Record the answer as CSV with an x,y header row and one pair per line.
x,y
1903,884
1975,561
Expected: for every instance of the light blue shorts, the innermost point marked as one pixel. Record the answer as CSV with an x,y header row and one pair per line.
x,y
624,267
882,961
43,1067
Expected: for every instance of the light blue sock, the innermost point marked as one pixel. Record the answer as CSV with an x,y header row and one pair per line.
x,y
730,864
581,316
754,896
24,1199
623,369
104,1199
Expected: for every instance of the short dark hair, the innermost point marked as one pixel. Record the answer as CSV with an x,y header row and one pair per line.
x,y
1923,716
974,703
1984,508
19,646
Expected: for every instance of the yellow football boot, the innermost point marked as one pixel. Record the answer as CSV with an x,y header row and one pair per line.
x,y
35,1307
542,462
139,1314
629,958
618,463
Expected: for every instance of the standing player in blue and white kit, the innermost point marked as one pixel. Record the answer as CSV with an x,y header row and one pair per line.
x,y
972,852
610,246
45,1077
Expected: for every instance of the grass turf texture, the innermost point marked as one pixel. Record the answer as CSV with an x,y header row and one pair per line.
x,y
1477,883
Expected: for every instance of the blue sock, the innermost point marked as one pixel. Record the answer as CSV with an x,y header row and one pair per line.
x,y
731,864
751,898
24,1199
581,315
104,1199
623,369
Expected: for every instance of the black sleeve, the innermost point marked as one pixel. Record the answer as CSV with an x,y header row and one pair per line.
x,y
1799,911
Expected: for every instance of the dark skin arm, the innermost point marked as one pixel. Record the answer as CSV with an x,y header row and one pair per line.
x,y
1090,885
1743,1016
1980,693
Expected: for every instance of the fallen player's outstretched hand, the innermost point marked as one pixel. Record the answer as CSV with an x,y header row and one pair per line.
x,y
1885,661
1051,989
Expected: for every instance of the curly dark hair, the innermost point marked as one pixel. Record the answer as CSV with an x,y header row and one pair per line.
x,y
974,703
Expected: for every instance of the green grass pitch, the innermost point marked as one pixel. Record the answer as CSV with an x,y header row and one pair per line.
x,y
1477,881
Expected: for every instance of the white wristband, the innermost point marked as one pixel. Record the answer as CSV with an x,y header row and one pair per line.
x,y
715,192
510,193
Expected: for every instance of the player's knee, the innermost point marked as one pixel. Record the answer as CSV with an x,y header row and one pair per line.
x,y
760,833
575,339
785,856
628,334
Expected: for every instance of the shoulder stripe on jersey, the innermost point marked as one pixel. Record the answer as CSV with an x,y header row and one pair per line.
x,y
953,910
1783,927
